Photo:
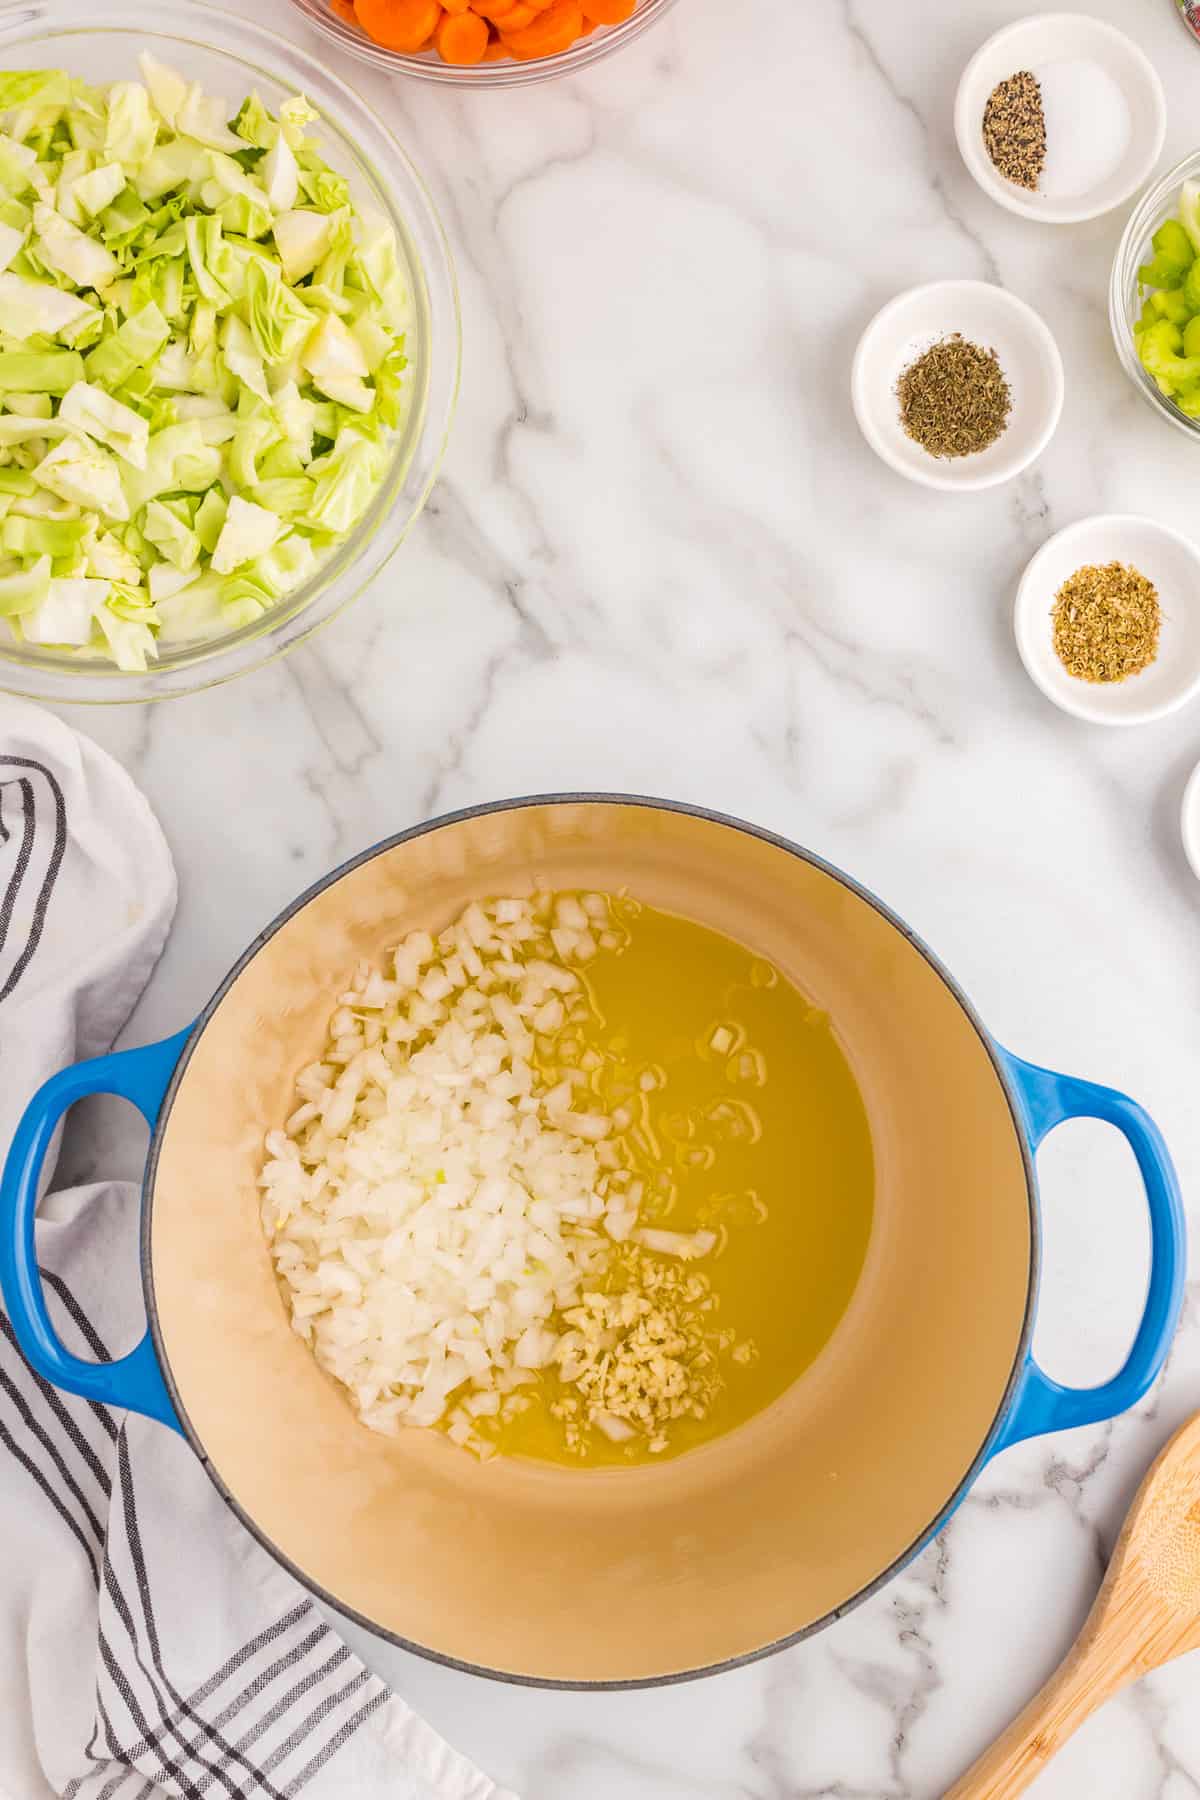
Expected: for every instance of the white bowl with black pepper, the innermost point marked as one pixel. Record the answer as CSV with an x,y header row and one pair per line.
x,y
1102,597
1060,117
955,420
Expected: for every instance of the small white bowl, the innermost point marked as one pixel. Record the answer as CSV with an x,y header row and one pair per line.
x,y
1034,43
986,315
1171,561
1189,820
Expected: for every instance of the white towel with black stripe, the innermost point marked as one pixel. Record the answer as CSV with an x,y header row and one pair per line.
x,y
148,1646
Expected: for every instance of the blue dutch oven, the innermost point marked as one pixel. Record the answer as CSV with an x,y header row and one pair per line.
x,y
617,1577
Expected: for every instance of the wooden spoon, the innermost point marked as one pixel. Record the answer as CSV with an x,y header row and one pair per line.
x,y
1146,1613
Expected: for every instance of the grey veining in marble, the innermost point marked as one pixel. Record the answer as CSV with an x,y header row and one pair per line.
x,y
662,559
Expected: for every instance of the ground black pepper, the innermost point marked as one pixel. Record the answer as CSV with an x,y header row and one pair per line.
x,y
1014,129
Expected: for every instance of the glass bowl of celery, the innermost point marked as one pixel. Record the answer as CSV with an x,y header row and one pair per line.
x,y
215,441
1154,296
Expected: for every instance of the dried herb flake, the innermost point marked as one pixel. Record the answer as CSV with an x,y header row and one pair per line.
x,y
1106,622
954,400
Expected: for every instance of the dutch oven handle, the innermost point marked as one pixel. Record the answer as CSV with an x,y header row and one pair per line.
x,y
134,1382
1041,1404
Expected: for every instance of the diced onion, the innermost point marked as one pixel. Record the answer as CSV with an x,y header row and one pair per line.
x,y
432,1204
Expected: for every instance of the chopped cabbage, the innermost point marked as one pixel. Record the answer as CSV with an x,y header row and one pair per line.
x,y
81,472
37,308
90,409
25,589
202,359
12,242
131,128
97,189
301,238
44,372
67,613
281,175
248,531
62,247
168,90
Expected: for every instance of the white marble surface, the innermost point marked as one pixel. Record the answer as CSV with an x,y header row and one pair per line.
x,y
662,559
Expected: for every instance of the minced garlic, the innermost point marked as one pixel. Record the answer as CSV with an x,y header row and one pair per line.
x,y
642,1356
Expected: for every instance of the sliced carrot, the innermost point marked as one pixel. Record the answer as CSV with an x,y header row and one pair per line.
x,y
461,38
608,12
344,10
495,51
404,25
456,6
516,18
552,32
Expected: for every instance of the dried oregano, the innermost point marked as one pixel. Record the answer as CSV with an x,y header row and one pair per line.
x,y
1106,622
954,400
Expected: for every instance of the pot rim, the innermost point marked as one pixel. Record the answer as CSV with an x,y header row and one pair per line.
x,y
924,1537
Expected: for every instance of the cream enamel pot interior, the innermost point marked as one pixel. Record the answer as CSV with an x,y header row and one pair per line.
x,y
614,1577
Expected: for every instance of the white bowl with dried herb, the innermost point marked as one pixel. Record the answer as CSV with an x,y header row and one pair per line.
x,y
957,384
1107,619
1060,117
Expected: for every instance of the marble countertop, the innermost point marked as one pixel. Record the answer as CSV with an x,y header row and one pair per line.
x,y
662,559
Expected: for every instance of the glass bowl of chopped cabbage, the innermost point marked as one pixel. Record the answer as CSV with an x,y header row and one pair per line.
x,y
1154,296
229,348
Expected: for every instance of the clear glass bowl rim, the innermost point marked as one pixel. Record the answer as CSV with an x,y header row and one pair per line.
x,y
600,43
215,31
1124,304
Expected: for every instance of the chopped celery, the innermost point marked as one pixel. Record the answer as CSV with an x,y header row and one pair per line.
x,y
1172,304
1159,274
1172,245
1161,352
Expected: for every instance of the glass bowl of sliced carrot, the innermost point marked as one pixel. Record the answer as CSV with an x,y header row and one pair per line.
x,y
488,43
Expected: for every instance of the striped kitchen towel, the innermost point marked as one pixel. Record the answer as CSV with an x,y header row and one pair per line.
x,y
148,1646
